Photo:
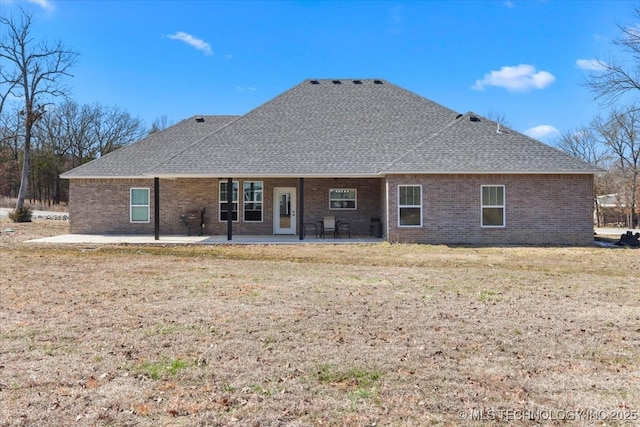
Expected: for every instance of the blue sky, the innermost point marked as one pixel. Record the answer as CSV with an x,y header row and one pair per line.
x,y
523,60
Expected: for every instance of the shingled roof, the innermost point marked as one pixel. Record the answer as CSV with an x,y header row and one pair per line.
x,y
135,160
335,128
474,144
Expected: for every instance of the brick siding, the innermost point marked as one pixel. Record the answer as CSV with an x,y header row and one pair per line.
x,y
540,210
101,206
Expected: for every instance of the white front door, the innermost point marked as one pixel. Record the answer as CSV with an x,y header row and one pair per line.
x,y
284,210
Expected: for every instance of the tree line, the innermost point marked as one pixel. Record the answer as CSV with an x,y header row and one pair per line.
x,y
65,136
611,140
44,133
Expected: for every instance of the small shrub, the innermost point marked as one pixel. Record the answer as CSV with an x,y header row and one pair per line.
x,y
21,215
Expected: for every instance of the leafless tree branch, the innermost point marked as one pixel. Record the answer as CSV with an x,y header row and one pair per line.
x,y
30,73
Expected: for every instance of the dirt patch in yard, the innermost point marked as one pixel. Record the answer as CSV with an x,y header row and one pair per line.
x,y
316,335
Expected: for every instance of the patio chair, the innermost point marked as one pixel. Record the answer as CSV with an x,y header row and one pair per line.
x,y
328,224
344,226
311,226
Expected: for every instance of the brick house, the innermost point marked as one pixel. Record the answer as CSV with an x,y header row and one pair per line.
x,y
353,149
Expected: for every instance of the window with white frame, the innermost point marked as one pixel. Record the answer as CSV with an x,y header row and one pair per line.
x,y
139,206
410,205
343,198
493,206
223,201
252,201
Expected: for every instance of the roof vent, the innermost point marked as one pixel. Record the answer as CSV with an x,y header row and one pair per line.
x,y
378,82
458,116
314,82
200,119
336,82
357,82
474,118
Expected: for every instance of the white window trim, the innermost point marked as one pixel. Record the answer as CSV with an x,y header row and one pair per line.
x,y
131,205
410,206
220,202
503,206
245,202
355,201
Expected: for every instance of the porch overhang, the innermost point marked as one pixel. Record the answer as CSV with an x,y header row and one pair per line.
x,y
223,175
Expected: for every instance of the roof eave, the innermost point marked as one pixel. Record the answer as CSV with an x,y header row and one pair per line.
x,y
64,176
261,175
491,172
336,175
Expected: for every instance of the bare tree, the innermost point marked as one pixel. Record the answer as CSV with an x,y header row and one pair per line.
x,y
31,72
614,77
114,128
52,153
620,131
77,130
612,81
10,150
498,118
70,135
160,123
585,145
95,130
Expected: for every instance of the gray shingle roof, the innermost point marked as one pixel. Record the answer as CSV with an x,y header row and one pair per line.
x,y
137,159
340,127
483,146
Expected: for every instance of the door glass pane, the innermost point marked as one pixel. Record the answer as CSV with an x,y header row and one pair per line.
x,y
285,210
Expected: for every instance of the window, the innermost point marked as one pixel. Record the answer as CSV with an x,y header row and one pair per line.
x,y
223,201
493,206
410,205
139,205
252,207
344,198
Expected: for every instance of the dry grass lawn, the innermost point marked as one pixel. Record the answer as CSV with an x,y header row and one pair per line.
x,y
404,335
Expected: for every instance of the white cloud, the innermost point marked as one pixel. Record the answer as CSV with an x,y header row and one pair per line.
x,y
519,78
542,131
192,41
45,4
590,64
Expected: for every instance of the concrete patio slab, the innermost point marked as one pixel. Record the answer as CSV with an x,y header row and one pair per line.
x,y
191,240
135,239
